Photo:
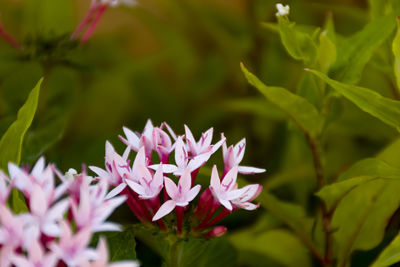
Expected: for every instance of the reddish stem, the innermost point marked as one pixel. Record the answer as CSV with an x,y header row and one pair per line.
x,y
9,39
222,215
88,18
94,23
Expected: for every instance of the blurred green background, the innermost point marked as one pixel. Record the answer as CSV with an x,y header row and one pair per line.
x,y
178,61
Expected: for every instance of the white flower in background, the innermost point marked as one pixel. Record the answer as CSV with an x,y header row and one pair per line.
x,y
282,10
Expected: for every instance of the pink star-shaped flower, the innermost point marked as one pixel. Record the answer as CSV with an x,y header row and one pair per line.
x,y
180,195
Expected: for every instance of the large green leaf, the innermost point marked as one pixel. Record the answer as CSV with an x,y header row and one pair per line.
x,y
391,154
396,52
292,215
297,108
362,216
356,51
373,167
390,255
279,245
11,142
385,109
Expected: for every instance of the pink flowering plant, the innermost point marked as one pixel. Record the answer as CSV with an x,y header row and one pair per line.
x,y
161,188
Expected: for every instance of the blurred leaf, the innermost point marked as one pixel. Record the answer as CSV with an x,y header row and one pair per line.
x,y
396,52
39,140
326,51
121,245
385,109
362,216
357,50
11,142
280,245
292,215
297,108
49,16
255,105
212,252
289,175
390,255
298,44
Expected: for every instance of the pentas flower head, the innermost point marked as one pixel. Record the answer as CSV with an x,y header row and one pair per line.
x,y
151,194
180,195
41,236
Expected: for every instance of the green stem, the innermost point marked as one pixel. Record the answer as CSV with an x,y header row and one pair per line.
x,y
175,255
326,215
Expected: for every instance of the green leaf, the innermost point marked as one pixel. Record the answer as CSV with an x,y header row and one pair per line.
x,y
373,167
326,52
333,193
391,154
383,108
121,245
356,51
286,250
49,16
11,142
361,172
292,215
362,216
213,252
396,52
298,44
302,112
390,255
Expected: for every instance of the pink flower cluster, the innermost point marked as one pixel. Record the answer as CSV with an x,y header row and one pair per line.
x,y
154,190
60,221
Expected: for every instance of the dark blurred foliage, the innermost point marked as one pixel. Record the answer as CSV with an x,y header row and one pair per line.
x,y
177,61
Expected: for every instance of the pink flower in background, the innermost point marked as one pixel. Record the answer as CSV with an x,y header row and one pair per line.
x,y
102,258
180,195
45,214
5,189
93,208
234,155
37,257
40,175
13,228
72,248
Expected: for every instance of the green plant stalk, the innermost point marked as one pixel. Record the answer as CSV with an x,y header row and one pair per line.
x,y
326,215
